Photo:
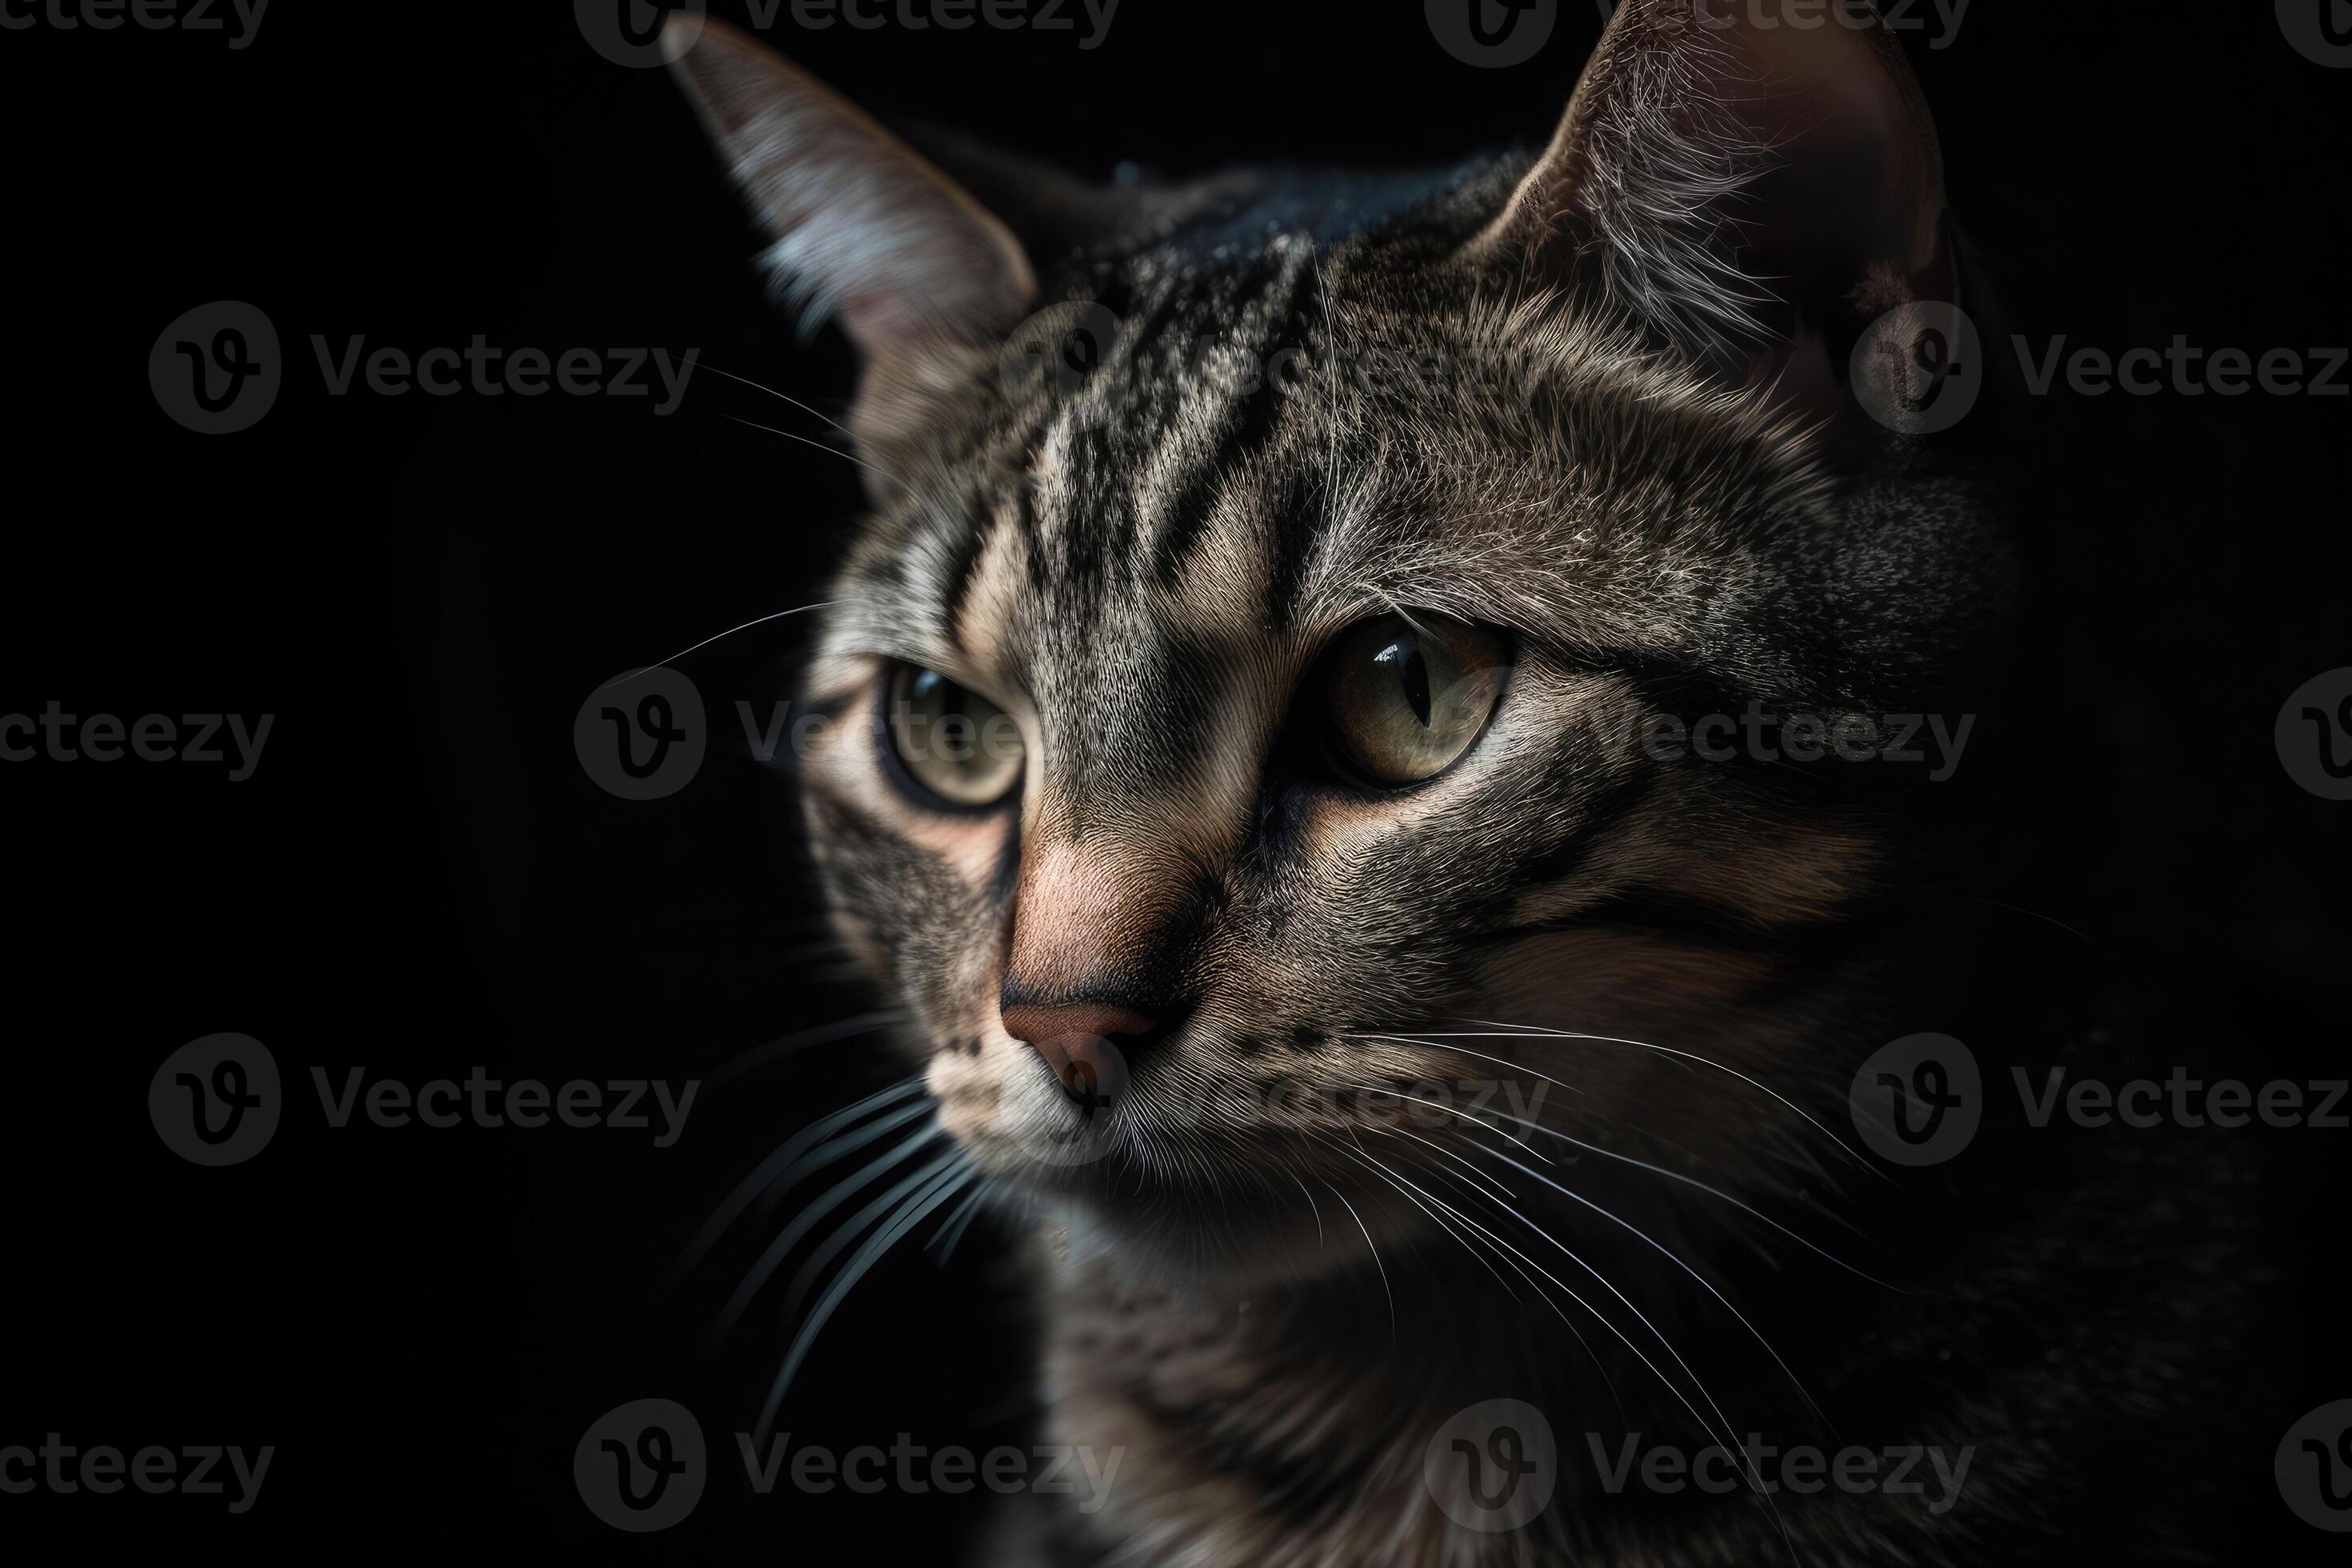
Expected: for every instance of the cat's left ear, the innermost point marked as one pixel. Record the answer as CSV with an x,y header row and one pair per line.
x,y
1755,187
867,232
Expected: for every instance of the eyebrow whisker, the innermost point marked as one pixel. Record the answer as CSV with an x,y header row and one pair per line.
x,y
806,441
772,392
731,631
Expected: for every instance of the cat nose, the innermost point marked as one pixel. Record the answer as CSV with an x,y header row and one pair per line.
x,y
1083,1042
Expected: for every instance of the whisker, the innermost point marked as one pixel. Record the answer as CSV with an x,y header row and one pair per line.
x,y
769,1169
804,1278
779,1249
851,1273
784,1046
1476,1175
825,1154
1618,1040
1454,1232
1311,1208
1674,1175
1602,1319
2037,914
1456,1110
1597,1365
805,441
1755,1477
731,631
1746,1208
1375,1251
1514,1030
1685,1267
1755,1480
957,1221
772,392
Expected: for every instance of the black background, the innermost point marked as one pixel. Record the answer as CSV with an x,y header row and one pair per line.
x,y
419,878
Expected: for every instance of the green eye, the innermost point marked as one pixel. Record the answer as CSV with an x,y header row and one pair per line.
x,y
1406,701
951,741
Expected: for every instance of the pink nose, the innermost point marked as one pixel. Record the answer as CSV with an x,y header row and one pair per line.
x,y
1079,1040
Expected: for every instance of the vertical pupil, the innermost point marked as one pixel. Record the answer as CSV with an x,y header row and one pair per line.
x,y
942,699
946,708
1404,657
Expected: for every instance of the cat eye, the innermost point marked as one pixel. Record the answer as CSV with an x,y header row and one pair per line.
x,y
1404,699
951,743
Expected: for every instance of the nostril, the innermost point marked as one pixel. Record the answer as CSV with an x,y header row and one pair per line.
x,y
1035,1022
1080,1041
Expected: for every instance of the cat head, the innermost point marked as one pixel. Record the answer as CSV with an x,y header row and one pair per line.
x,y
1255,683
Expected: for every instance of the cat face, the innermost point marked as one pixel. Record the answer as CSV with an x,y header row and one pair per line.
x,y
1244,692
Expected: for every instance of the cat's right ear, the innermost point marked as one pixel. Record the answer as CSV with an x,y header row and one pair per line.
x,y
1755,188
867,232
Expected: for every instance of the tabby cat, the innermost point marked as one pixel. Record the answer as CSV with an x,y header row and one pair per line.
x,y
1245,769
